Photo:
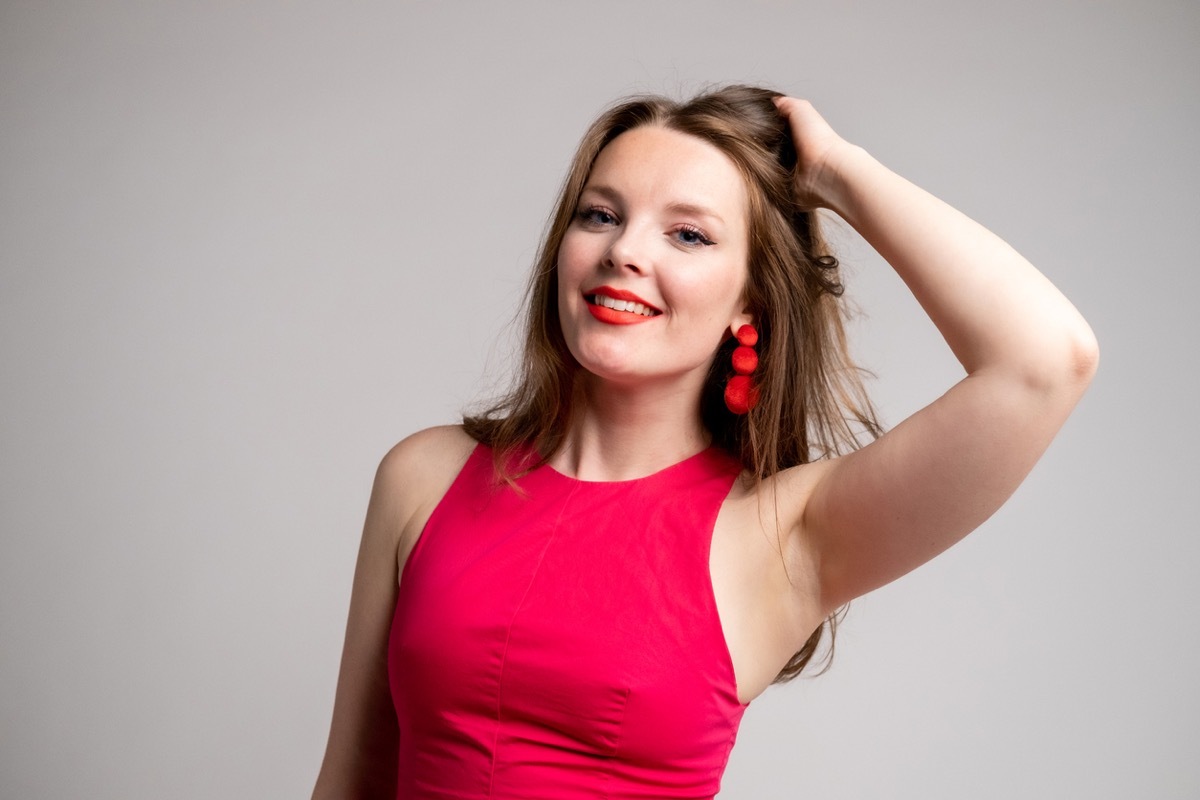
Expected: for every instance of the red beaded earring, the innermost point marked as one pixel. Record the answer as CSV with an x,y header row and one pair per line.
x,y
741,394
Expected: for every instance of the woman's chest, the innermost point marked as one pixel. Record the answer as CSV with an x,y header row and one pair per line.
x,y
568,626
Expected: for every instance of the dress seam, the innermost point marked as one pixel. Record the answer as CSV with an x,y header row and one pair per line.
x,y
508,634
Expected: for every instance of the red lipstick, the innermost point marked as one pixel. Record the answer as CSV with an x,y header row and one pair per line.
x,y
614,316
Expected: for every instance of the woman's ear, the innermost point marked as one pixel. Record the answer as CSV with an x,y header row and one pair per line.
x,y
744,317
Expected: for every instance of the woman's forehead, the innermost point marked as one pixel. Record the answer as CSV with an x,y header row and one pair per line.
x,y
671,169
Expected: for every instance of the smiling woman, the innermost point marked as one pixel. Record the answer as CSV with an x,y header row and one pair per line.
x,y
578,592
649,236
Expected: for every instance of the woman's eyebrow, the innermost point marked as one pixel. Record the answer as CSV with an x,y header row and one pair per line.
x,y
696,210
606,192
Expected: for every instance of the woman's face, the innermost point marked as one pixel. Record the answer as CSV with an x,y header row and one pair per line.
x,y
652,268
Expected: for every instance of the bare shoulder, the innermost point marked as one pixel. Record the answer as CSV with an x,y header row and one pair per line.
x,y
774,508
785,497
427,459
416,473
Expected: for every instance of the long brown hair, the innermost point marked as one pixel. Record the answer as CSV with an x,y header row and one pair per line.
x,y
813,404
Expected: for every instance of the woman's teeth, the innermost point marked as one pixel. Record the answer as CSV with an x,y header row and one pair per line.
x,y
622,305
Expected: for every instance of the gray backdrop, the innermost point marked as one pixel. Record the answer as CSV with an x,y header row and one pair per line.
x,y
245,247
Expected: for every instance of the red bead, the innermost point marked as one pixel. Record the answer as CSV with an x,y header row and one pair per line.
x,y
745,360
747,335
741,394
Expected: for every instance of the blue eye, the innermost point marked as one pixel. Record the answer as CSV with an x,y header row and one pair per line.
x,y
594,215
693,236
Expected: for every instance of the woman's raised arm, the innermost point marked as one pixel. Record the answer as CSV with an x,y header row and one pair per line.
x,y
870,516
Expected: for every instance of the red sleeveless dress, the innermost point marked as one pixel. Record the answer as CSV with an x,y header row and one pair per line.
x,y
563,642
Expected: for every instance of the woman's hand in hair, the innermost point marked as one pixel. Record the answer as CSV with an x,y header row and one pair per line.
x,y
819,150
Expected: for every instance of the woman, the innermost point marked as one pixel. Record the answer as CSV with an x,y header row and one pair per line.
x,y
578,593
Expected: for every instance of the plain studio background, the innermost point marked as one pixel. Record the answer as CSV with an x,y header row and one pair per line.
x,y
246,247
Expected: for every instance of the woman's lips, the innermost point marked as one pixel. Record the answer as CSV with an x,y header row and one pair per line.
x,y
618,307
614,317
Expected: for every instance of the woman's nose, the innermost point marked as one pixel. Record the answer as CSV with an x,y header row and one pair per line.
x,y
629,250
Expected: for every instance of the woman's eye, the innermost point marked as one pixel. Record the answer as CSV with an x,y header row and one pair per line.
x,y
596,216
693,236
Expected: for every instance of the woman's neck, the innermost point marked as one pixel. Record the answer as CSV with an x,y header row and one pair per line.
x,y
621,433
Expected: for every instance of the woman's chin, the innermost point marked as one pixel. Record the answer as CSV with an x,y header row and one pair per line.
x,y
621,374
